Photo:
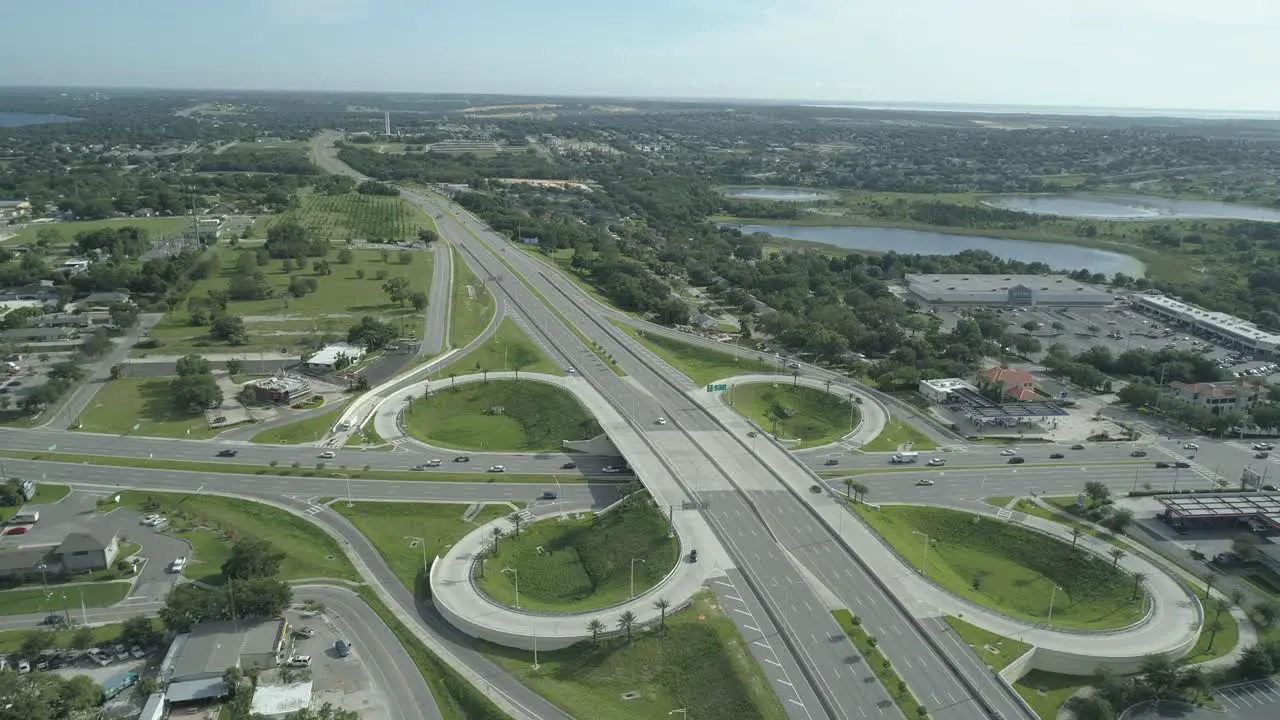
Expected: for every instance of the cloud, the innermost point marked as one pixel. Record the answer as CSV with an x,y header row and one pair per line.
x,y
319,12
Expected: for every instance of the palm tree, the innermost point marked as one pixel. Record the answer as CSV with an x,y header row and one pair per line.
x,y
1209,578
515,520
1223,605
497,536
1160,675
1214,626
453,380
1138,578
1075,535
662,604
848,487
861,491
485,373
1116,554
595,627
626,621
1265,614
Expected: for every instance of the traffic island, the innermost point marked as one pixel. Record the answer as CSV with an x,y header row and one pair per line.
x,y
580,562
497,416
791,411
1020,573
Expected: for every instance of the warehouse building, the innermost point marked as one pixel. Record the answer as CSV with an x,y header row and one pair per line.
x,y
1005,290
197,659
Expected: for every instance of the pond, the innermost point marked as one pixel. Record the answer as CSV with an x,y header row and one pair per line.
x,y
1132,207
8,119
778,194
1058,257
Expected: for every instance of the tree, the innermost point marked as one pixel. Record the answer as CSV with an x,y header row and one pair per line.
x,y
116,370
230,329
385,255
1030,326
397,288
662,604
83,638
1116,555
428,236
252,558
627,621
123,314
1117,521
373,334
193,365
1266,613
345,256
497,538
1254,663
327,711
1075,536
235,366
418,300
595,627
195,393
1138,578
96,345
405,257
1090,707
35,643
1160,675
1097,491
139,631
1246,546
321,267
67,371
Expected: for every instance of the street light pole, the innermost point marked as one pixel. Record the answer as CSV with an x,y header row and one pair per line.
x,y
516,574
1052,593
924,554
633,575
682,712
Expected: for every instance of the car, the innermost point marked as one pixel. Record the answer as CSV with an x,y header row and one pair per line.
x,y
1016,460
497,468
150,520
24,667
1056,456
1262,446
570,370
228,453
660,421
51,619
693,555
327,454
462,458
1077,446
122,653
1269,488
433,462
177,565
1162,465
16,530
548,495
936,462
304,632
571,465
419,467
831,461
301,660
137,653
1007,452
924,481
1190,446
1182,464
341,648
1262,455
815,489
1138,453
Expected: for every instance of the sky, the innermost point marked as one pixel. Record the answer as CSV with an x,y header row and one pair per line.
x,y
1198,54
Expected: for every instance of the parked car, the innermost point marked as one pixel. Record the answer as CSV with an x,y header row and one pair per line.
x,y
1016,460
24,667
1269,488
301,661
1056,456
304,632
150,520
16,530
137,652
342,648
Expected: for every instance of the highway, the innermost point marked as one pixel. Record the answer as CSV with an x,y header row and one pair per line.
x,y
435,328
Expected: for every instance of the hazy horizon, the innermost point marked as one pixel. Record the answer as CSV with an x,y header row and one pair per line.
x,y
1101,54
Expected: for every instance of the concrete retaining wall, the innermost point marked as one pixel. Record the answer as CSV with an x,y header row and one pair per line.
x,y
598,445
1014,671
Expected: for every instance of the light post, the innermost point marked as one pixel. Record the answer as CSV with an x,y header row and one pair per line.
x,y
851,412
682,712
515,573
44,581
924,554
424,549
1176,470
1052,593
633,575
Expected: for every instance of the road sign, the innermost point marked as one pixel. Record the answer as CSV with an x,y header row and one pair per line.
x,y
717,388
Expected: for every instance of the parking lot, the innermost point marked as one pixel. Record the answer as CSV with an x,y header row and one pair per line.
x,y
344,681
1254,699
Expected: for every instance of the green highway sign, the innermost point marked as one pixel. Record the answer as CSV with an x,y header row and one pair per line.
x,y
717,388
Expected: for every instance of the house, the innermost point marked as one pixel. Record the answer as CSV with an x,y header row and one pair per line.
x,y
104,299
220,209
704,321
44,291
40,334
1014,384
23,564
13,208
75,266
144,213
198,659
1231,394
331,357
87,552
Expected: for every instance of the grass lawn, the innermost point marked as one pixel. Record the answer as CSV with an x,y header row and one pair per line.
x,y
396,530
353,216
147,402
507,349
1045,692
883,670
1211,645
1009,568
702,665
812,416
156,228
895,434
997,651
535,417
471,306
701,364
211,522
96,595
585,564
1066,503
334,469
998,501
45,494
307,430
281,322
11,640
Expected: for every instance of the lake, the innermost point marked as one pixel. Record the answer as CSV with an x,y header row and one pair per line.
x,y
1058,257
777,194
8,119
1132,207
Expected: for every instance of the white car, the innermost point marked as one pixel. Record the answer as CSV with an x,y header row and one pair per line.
x,y
151,520
497,468
610,469
433,462
1008,452
661,421
178,565
924,481
300,661
570,370
935,463
1190,446
24,667
327,454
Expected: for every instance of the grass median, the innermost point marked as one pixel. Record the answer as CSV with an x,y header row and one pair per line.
x,y
334,470
795,412
893,684
471,306
1011,569
579,565
997,651
305,430
34,600
700,364
508,349
499,415
895,435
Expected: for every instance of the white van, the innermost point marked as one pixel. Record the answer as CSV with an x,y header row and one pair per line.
x,y
25,518
905,457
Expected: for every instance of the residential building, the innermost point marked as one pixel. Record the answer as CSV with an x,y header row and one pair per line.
x,y
1232,394
1004,290
105,299
13,208
1220,327
329,357
197,659
40,334
75,266
220,209
44,291
87,552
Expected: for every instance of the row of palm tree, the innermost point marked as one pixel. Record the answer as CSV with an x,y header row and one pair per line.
x,y
627,622
855,490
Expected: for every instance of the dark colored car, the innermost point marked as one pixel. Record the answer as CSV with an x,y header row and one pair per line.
x,y
548,495
693,556
1077,446
815,489
1138,453
342,648
1016,460
1269,488
569,466
1182,464
832,461
1162,465
227,453
1056,456
1262,455
462,458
